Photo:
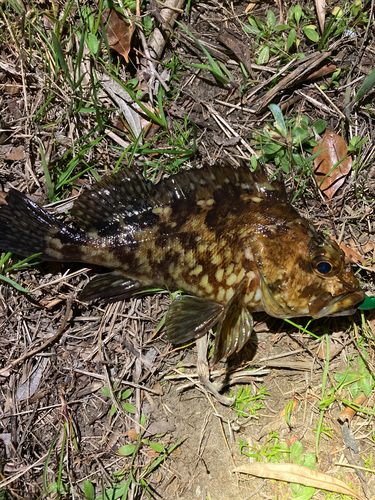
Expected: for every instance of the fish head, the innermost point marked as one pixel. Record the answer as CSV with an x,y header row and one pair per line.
x,y
303,273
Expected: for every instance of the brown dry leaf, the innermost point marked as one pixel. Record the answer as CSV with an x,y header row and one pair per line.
x,y
132,433
321,11
327,69
119,32
15,155
298,474
3,195
349,413
333,149
351,254
334,350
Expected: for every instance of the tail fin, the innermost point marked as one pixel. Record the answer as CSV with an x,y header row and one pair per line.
x,y
26,229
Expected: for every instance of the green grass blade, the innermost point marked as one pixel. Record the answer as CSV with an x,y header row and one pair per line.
x,y
365,88
61,58
13,283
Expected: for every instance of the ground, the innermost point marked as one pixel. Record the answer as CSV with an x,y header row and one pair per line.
x,y
95,403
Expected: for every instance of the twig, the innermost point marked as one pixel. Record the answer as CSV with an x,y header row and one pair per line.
x,y
51,340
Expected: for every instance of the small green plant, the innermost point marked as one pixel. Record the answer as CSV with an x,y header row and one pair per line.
x,y
120,396
272,451
285,143
246,401
357,381
269,39
18,266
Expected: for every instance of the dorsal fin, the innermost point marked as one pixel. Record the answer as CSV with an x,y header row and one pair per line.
x,y
126,194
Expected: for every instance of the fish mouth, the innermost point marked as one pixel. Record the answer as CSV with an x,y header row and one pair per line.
x,y
342,305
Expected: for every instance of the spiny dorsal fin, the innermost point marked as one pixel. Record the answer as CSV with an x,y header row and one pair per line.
x,y
126,197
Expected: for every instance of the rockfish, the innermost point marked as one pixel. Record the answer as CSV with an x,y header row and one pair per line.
x,y
226,237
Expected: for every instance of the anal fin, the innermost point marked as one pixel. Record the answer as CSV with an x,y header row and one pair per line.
x,y
110,287
235,327
189,318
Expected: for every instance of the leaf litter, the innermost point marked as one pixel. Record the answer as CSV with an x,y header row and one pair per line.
x,y
59,353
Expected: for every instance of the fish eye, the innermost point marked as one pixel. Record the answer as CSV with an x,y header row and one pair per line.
x,y
323,267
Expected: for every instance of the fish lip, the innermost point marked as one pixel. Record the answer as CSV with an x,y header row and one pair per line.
x,y
356,297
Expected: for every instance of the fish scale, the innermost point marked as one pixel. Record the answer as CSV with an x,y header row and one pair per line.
x,y
227,237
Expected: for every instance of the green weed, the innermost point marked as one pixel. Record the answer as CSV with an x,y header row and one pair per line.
x,y
247,404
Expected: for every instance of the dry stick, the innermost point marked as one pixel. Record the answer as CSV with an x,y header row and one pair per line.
x,y
329,100
154,73
52,339
157,41
292,78
23,471
316,103
126,382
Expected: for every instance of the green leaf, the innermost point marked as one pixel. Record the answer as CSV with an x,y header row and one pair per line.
x,y
366,86
281,27
106,392
88,489
113,410
127,450
310,461
367,386
311,34
279,120
92,43
291,38
368,303
320,126
296,451
271,19
305,493
128,407
272,148
253,30
297,13
264,55
126,394
158,447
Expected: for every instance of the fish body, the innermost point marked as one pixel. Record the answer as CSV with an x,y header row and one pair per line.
x,y
225,236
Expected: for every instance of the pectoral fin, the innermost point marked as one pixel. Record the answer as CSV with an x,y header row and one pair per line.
x,y
110,287
188,318
235,326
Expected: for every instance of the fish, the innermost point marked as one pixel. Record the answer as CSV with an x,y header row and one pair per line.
x,y
225,236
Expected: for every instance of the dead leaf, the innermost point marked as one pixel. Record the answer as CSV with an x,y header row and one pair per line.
x,y
332,149
349,413
3,195
299,474
321,11
334,350
119,32
327,69
132,433
240,49
351,254
15,155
